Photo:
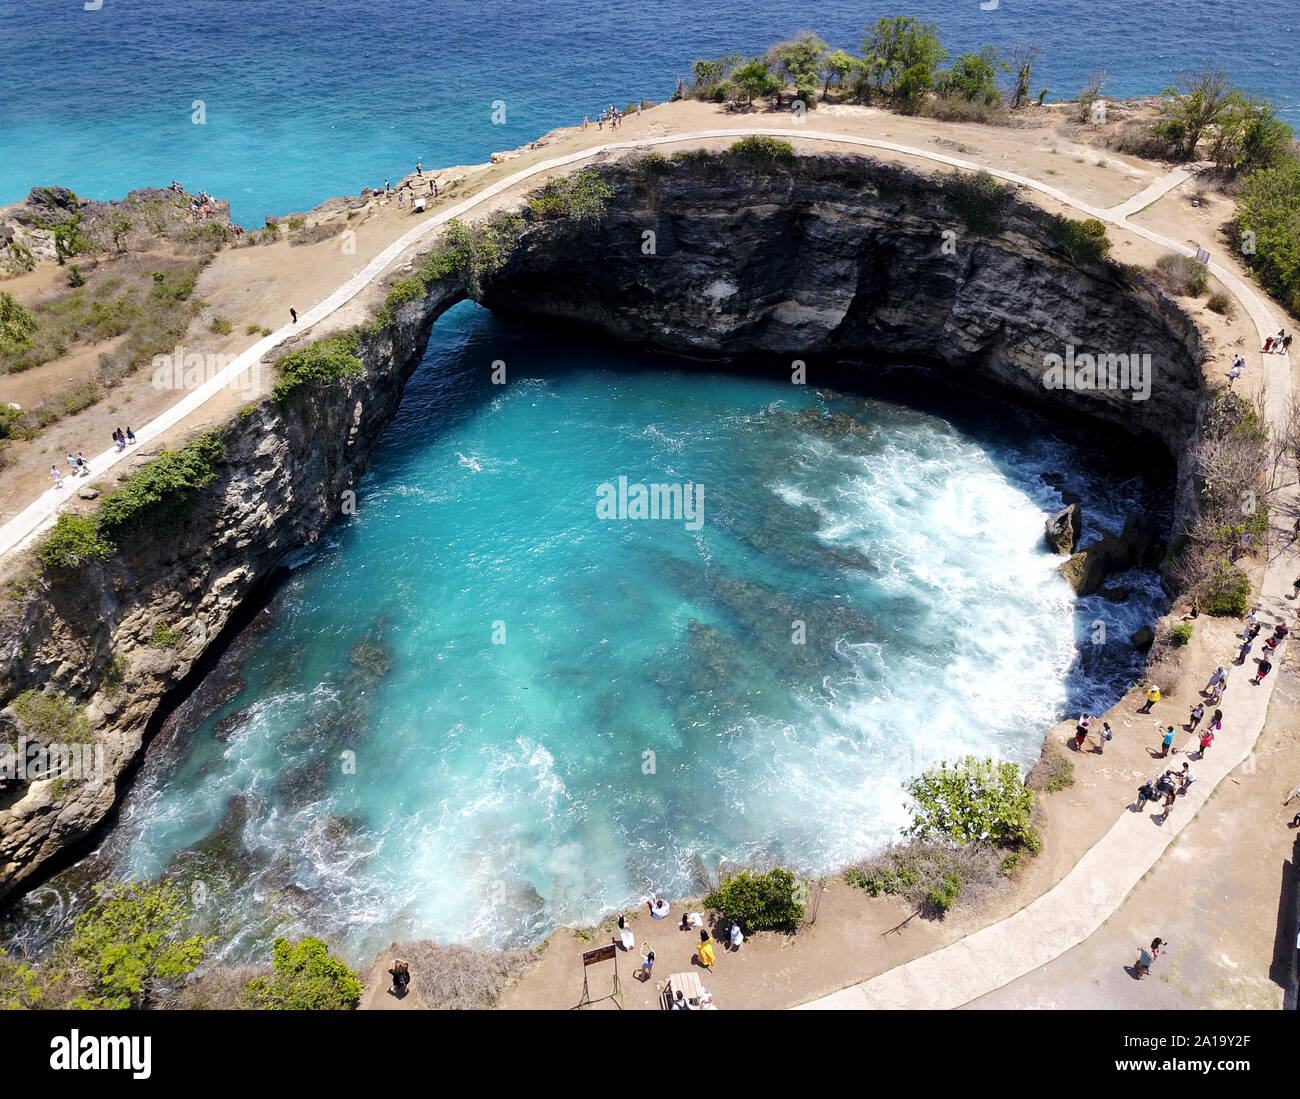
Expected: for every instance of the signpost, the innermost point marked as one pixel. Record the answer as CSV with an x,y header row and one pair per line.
x,y
594,956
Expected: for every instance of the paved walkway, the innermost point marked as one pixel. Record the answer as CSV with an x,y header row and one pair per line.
x,y
1074,908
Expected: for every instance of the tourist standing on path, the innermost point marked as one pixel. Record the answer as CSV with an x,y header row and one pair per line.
x,y
418,170
130,436
1106,735
1146,792
83,465
647,964
1167,743
1169,804
1217,677
1188,776
1198,712
58,477
1265,666
705,950
294,314
1081,732
1286,344
1153,696
73,463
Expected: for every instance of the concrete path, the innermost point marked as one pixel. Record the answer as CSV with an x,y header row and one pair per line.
x,y
1155,191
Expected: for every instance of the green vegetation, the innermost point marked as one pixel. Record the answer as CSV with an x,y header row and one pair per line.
x,y
161,495
979,198
128,942
762,150
1086,241
75,277
760,902
1180,634
252,330
114,675
318,365
17,325
1219,302
930,876
581,197
220,325
52,718
164,636
1231,456
972,801
1053,772
74,541
20,985
801,62
296,223
1183,275
305,978
1267,229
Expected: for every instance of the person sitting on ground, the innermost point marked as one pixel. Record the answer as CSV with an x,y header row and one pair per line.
x,y
691,921
658,908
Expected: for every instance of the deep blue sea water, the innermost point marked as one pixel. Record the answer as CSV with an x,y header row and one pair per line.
x,y
306,99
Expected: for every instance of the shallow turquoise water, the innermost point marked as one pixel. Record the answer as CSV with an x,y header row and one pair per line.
x,y
503,789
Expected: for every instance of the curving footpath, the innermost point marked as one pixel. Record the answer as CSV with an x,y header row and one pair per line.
x,y
1077,905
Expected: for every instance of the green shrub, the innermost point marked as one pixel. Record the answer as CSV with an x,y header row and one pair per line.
x,y
128,942
760,902
1086,241
1227,593
296,223
318,365
979,199
20,985
305,978
1219,303
17,325
1267,231
972,801
114,673
164,636
75,277
1183,275
1181,633
581,197
161,495
74,541
220,325
1053,772
940,897
931,876
408,290
51,718
762,150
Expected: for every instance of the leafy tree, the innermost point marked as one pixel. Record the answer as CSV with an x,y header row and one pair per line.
x,y
305,978
128,942
972,801
902,54
754,78
1021,59
800,60
837,66
1089,93
1198,99
1086,241
973,76
74,541
1268,208
1249,135
760,902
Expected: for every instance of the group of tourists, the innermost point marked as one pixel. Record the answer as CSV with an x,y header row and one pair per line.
x,y
612,115
78,464
1279,344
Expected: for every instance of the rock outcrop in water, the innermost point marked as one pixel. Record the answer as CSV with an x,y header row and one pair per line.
x,y
823,259
1063,530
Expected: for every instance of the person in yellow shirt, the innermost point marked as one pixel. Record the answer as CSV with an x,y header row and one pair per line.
x,y
705,951
1153,696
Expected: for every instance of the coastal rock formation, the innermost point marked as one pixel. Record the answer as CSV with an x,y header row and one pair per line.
x,y
1133,547
822,260
1064,529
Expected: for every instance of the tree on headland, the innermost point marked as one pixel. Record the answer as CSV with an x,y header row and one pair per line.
x,y
754,78
305,978
837,66
801,61
1195,103
1021,59
973,77
902,54
1090,93
1249,135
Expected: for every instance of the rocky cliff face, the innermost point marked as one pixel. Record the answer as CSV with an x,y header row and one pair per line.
x,y
831,258
826,258
283,477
